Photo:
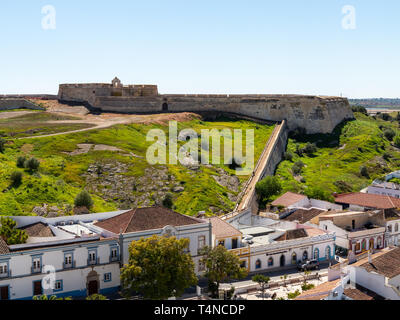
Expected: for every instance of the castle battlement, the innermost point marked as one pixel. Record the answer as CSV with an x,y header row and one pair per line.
x,y
317,114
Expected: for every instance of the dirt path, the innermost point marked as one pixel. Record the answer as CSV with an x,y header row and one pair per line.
x,y
14,114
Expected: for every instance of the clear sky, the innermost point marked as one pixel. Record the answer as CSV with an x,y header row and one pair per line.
x,y
202,46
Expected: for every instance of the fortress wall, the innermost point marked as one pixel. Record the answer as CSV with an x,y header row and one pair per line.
x,y
83,92
10,104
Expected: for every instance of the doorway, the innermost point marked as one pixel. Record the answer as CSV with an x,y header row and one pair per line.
x,y
282,261
93,288
165,107
4,293
37,288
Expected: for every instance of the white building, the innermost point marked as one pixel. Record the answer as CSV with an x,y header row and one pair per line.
x,y
145,222
80,261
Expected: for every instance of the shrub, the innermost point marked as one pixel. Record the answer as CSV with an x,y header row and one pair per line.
x,y
396,141
364,171
298,167
310,148
168,202
293,295
32,164
268,187
307,286
2,145
319,194
389,134
96,297
386,156
16,178
21,161
83,199
343,186
288,156
360,109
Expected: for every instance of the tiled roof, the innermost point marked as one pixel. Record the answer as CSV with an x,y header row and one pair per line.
x,y
146,219
293,234
386,263
38,230
3,247
319,292
222,229
356,294
288,199
303,215
368,200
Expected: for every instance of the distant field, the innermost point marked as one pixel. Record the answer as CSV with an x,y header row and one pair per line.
x,y
35,123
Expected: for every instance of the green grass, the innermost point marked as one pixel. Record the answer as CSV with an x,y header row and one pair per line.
x,y
340,156
61,178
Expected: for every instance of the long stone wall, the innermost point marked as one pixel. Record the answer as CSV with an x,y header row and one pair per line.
x,y
10,104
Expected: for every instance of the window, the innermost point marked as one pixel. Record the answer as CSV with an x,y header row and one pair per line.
x,y
396,227
202,266
92,257
221,243
258,264
389,228
358,246
107,277
270,262
243,264
68,260
316,253
353,224
305,255
36,265
202,242
234,243
114,254
379,242
294,258
58,286
3,270
364,245
328,252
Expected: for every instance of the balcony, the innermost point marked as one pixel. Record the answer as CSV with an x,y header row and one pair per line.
x,y
6,275
114,259
93,262
67,266
36,269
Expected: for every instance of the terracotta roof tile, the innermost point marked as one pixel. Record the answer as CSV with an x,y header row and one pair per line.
x,y
146,219
288,199
303,215
293,234
3,247
368,200
222,229
319,292
386,263
357,294
38,230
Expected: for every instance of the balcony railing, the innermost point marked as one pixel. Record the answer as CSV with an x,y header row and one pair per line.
x,y
69,265
93,262
36,270
5,275
114,259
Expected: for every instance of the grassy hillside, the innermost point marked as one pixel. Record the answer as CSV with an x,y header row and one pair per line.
x,y
335,167
116,179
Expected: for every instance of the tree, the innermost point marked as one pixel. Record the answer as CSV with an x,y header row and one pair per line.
x,y
158,268
21,161
389,134
310,148
2,145
396,141
268,187
16,178
262,281
168,202
83,199
96,297
32,164
319,193
288,156
221,265
9,232
298,167
364,171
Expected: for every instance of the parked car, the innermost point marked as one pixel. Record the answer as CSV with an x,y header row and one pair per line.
x,y
308,265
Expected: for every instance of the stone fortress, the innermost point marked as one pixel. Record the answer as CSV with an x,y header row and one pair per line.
x,y
317,114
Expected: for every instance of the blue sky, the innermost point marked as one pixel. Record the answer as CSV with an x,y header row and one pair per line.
x,y
219,46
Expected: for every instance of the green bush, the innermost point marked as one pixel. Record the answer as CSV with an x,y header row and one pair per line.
x,y
364,171
168,202
32,164
310,148
298,167
307,286
288,156
2,145
268,187
21,161
389,134
293,295
16,178
396,141
83,199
